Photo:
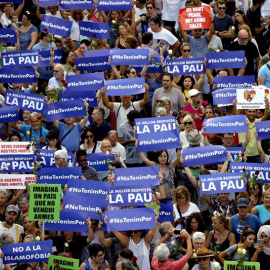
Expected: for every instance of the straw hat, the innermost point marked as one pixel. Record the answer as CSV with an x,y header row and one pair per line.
x,y
202,253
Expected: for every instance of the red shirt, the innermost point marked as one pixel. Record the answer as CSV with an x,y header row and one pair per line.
x,y
168,265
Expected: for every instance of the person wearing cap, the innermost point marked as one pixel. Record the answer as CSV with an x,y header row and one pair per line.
x,y
9,226
195,107
243,218
203,258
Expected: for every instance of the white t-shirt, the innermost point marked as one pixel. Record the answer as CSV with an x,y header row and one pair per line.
x,y
193,208
119,148
75,30
139,11
15,233
171,9
164,34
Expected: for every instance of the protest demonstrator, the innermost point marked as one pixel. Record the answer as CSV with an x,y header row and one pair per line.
x,y
134,134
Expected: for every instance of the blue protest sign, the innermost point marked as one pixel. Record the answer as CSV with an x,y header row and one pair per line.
x,y
99,161
17,75
8,35
55,26
129,57
224,97
45,57
94,60
95,189
204,155
221,183
47,3
136,195
18,163
95,30
87,82
263,129
38,251
157,133
84,202
131,219
64,109
46,158
137,176
231,123
70,221
232,59
234,81
9,114
20,58
125,86
107,5
263,170
153,67
88,96
185,66
76,4
236,152
165,212
30,102
12,1
58,175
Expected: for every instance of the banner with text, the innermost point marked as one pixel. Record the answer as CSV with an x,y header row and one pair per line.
x,y
12,181
95,30
20,58
250,98
263,129
236,152
45,57
47,3
224,97
222,183
99,161
136,195
263,170
232,59
88,96
204,155
44,203
16,148
137,176
110,5
234,81
63,263
131,219
185,66
195,17
55,26
166,212
8,35
9,114
125,86
231,123
157,133
17,75
38,251
153,67
87,82
76,4
64,109
17,163
24,101
46,158
233,265
129,57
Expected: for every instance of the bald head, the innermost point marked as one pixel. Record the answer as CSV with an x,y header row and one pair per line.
x,y
106,146
113,137
243,37
58,72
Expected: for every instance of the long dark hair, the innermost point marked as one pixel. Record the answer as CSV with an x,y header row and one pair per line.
x,y
198,217
54,134
247,230
89,129
64,57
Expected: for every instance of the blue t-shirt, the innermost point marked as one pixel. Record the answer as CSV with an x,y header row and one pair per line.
x,y
263,214
72,140
238,224
265,73
34,136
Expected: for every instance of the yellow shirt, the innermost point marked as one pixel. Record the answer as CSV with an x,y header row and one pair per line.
x,y
251,149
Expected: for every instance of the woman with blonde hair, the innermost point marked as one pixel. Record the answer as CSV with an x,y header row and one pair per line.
x,y
182,207
221,237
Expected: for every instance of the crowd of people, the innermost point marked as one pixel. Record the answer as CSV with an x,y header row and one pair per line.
x,y
205,230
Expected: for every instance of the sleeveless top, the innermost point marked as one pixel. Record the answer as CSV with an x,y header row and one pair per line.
x,y
88,267
141,252
168,181
222,246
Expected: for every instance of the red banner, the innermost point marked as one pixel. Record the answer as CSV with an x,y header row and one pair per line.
x,y
195,18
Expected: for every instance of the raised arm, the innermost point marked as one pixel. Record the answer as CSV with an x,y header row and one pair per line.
x,y
19,9
259,146
150,235
176,161
266,111
85,119
105,100
123,239
145,99
181,31
247,138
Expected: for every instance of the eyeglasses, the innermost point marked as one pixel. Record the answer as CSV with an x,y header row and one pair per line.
x,y
221,8
135,231
90,136
57,158
181,198
188,123
198,30
56,71
186,50
201,259
149,7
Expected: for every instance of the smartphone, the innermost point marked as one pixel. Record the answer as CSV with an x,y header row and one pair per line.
x,y
260,241
177,231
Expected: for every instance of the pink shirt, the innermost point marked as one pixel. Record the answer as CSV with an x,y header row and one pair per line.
x,y
168,265
198,119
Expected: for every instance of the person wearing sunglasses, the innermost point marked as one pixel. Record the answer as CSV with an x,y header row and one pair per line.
x,y
89,141
223,25
203,256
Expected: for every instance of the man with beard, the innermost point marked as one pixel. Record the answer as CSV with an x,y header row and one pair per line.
x,y
9,226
